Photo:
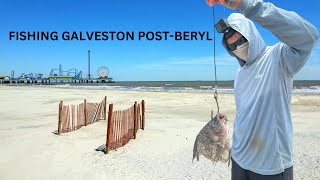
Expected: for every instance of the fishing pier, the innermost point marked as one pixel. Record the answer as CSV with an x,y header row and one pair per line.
x,y
59,76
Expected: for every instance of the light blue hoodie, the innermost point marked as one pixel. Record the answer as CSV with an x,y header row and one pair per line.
x,y
262,137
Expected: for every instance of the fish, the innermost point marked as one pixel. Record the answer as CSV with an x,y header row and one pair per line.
x,y
214,140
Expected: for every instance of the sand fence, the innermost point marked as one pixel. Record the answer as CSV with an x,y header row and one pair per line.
x,y
73,117
124,124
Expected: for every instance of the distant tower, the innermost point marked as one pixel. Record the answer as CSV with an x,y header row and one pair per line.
x,y
60,70
89,64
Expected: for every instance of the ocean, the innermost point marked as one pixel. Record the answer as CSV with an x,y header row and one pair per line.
x,y
299,87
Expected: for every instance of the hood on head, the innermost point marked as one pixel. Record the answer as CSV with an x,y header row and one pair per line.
x,y
246,27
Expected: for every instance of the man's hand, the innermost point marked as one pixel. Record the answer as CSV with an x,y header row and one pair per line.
x,y
223,3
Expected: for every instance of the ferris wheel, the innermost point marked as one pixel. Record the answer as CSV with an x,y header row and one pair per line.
x,y
103,72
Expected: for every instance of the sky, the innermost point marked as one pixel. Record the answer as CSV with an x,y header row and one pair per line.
x,y
130,60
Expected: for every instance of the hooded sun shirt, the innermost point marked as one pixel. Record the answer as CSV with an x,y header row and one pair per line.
x,y
262,137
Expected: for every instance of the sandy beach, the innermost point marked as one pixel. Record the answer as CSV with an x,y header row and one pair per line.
x,y
30,149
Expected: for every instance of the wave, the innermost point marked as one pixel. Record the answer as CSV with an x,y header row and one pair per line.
x,y
307,90
166,88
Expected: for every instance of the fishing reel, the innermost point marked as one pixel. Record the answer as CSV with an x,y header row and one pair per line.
x,y
223,27
231,2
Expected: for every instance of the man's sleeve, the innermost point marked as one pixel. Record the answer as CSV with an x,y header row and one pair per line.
x,y
297,35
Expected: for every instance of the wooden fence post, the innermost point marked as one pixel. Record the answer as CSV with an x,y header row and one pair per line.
x,y
60,117
109,129
105,108
85,112
143,118
135,117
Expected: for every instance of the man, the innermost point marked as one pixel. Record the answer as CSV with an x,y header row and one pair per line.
x,y
262,138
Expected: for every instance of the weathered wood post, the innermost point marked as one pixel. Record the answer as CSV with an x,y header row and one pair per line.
x,y
60,117
105,108
85,112
109,129
135,117
143,118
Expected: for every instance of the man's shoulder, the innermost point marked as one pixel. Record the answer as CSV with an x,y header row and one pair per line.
x,y
276,48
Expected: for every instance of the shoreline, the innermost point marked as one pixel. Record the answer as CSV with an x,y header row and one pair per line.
x,y
312,90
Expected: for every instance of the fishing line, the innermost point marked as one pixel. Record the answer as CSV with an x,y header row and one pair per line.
x,y
214,58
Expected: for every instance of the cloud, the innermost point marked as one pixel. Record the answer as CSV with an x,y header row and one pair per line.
x,y
190,61
222,60
317,49
308,73
314,59
173,62
202,67
312,68
153,66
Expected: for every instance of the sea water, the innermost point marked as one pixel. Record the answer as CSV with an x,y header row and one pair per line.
x,y
225,87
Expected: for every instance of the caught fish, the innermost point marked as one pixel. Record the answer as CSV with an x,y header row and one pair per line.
x,y
214,140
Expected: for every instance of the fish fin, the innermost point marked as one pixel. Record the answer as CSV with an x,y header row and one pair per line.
x,y
194,156
229,158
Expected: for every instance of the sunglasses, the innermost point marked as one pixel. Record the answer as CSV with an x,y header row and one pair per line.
x,y
233,46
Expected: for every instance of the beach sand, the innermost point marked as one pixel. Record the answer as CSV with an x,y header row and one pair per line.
x,y
30,150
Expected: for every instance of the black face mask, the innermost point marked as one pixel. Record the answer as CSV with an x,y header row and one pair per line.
x,y
233,46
